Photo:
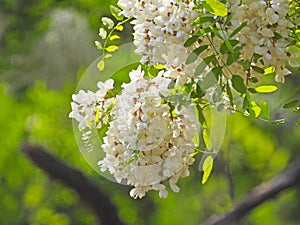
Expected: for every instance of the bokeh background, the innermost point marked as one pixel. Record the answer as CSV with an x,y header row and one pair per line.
x,y
45,47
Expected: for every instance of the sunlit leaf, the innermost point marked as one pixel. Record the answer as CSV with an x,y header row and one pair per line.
x,y
206,139
112,48
101,65
255,109
96,119
114,37
265,110
269,70
215,7
159,66
207,168
196,139
119,28
266,88
107,56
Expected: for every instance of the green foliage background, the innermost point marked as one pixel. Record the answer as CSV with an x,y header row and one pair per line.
x,y
34,107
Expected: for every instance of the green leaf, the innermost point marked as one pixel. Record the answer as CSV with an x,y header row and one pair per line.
x,y
290,104
216,32
265,110
229,45
266,88
200,68
109,23
215,7
238,29
228,19
115,11
258,69
194,54
210,59
229,92
200,116
238,84
252,90
112,48
233,57
297,110
253,79
189,42
199,91
101,65
207,168
206,139
203,19
217,71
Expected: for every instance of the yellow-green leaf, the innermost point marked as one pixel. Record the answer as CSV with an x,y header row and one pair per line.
x,y
101,65
159,66
206,139
112,48
196,139
96,119
107,56
269,70
255,109
119,27
217,8
266,88
207,168
114,37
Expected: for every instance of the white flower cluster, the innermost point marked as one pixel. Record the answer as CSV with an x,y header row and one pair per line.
x,y
267,33
161,28
86,106
145,144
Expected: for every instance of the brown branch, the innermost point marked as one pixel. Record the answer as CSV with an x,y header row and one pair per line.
x,y
86,188
267,190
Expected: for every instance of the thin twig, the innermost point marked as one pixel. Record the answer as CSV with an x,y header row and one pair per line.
x,y
87,189
265,191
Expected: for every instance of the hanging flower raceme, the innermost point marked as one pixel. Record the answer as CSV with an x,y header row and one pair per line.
x,y
146,142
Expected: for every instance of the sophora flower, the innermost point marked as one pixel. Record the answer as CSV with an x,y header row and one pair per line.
x,y
147,144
